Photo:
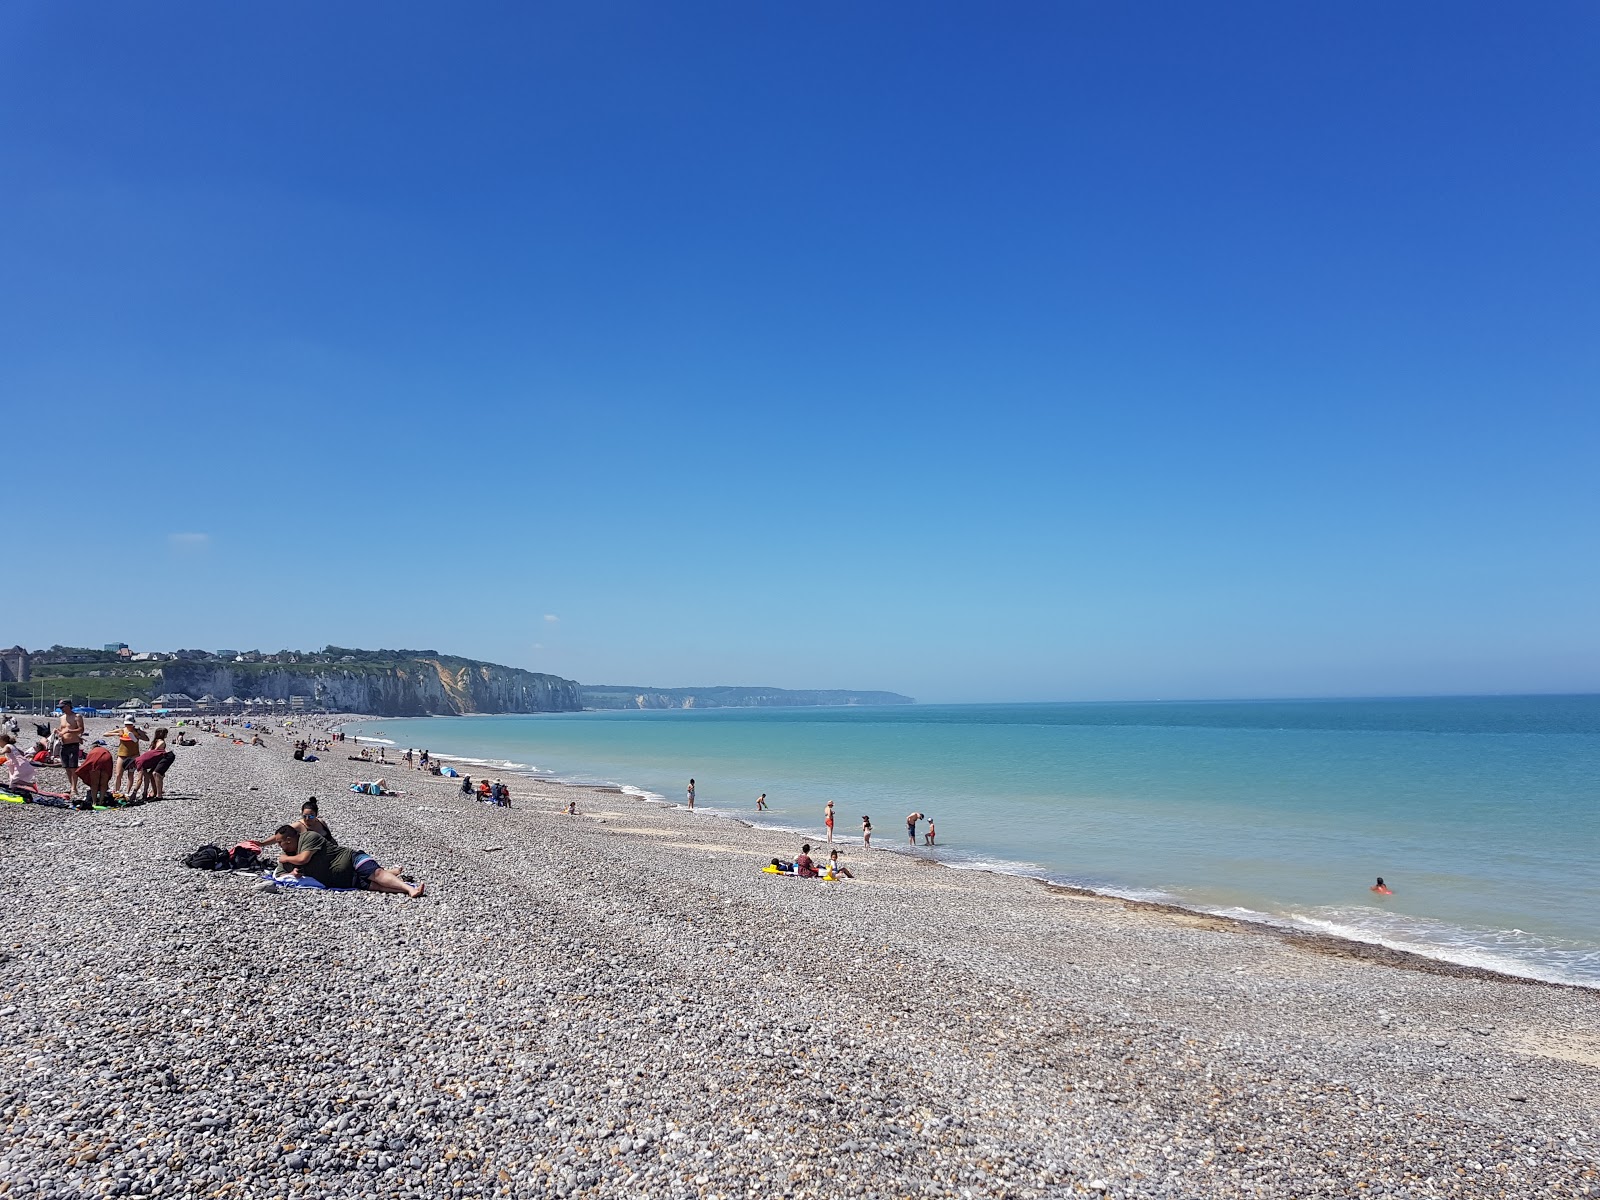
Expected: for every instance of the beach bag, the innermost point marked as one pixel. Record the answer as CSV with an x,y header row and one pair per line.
x,y
244,855
207,858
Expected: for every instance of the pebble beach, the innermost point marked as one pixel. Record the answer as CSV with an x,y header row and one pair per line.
x,y
619,1003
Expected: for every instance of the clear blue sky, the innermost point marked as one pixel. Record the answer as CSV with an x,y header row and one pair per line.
x,y
980,352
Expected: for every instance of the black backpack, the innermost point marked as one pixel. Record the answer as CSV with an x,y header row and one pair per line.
x,y
208,858
243,856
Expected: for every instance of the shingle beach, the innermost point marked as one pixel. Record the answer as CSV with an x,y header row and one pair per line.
x,y
620,1003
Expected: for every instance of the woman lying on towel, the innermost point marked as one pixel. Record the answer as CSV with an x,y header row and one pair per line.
x,y
336,866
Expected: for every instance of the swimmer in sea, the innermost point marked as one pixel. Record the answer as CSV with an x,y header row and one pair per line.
x,y
1381,888
761,802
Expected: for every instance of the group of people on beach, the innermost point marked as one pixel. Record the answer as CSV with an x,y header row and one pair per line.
x,y
930,837
804,867
495,792
308,848
135,772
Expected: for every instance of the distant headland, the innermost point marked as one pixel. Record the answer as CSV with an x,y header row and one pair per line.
x,y
385,683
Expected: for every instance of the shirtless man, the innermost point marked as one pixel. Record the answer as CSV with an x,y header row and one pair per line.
x,y
70,731
911,826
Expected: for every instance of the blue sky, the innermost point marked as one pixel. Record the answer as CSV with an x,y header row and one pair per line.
x,y
1023,352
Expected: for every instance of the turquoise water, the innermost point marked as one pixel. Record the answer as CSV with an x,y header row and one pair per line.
x,y
1479,812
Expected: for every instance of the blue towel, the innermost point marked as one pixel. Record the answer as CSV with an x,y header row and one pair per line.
x,y
293,881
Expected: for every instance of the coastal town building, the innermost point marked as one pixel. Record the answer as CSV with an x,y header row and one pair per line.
x,y
14,665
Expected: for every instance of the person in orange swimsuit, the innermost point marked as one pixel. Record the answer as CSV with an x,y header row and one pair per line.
x,y
1381,888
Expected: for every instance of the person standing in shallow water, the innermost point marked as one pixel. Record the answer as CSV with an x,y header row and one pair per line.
x,y
761,802
827,818
911,826
866,832
691,795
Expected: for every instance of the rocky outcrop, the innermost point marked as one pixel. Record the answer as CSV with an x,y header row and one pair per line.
x,y
418,687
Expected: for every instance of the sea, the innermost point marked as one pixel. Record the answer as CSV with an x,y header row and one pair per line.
x,y
1482,814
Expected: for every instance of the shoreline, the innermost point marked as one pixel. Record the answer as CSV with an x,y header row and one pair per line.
x,y
1338,945
619,1004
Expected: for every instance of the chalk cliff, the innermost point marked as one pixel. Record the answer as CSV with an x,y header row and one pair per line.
x,y
442,685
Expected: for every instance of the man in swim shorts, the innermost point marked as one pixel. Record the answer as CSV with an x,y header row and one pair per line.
x,y
911,826
332,865
70,731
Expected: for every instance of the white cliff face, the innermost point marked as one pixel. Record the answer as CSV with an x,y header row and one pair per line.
x,y
415,687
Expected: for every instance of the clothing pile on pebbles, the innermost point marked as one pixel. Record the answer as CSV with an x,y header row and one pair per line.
x,y
621,1004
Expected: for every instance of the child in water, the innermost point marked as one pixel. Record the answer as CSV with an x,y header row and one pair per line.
x,y
1380,888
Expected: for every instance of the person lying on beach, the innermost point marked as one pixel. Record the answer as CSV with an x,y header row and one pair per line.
x,y
786,867
837,868
927,838
803,866
332,865
310,822
1381,888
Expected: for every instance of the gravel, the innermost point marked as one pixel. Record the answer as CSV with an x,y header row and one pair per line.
x,y
621,1004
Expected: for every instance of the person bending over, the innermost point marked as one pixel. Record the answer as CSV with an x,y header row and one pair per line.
x,y
336,866
95,770
153,765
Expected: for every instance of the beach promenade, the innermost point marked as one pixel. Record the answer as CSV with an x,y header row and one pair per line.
x,y
619,1003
